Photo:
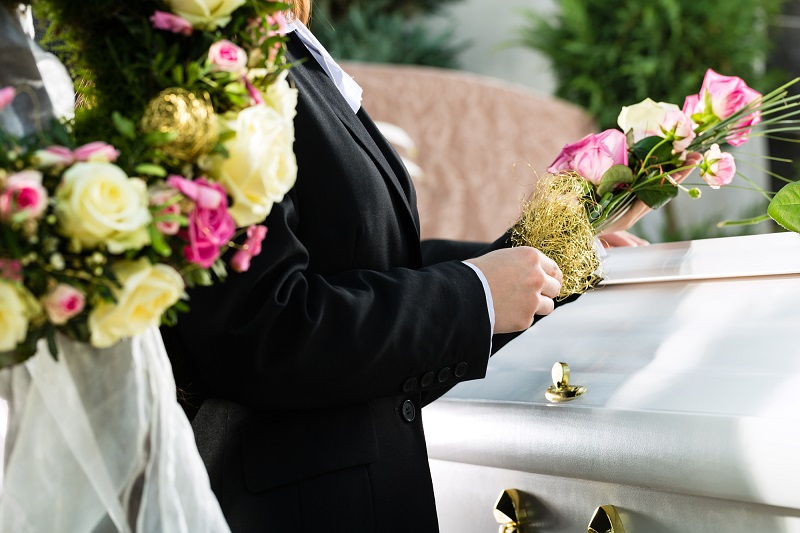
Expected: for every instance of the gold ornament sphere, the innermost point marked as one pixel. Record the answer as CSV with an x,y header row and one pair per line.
x,y
188,115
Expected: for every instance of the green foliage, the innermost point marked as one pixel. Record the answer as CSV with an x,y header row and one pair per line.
x,y
337,9
785,207
606,55
383,31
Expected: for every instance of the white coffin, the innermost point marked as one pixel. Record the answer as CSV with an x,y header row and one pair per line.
x,y
690,353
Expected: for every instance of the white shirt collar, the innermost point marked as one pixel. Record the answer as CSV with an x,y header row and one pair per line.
x,y
350,90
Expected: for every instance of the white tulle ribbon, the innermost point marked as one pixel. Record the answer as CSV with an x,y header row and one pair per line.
x,y
96,442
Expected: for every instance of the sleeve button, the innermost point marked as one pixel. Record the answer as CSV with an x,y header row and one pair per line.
x,y
409,411
444,374
410,384
427,379
461,369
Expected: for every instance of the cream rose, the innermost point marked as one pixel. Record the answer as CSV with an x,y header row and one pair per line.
x,y
147,292
98,204
205,14
260,168
282,97
644,118
17,308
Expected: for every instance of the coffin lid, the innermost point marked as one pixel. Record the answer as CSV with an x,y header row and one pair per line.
x,y
691,356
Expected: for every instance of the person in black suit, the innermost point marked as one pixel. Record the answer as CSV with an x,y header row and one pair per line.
x,y
310,370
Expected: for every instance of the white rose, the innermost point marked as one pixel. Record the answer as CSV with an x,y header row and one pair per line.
x,y
260,168
17,308
147,292
282,97
97,203
205,14
644,118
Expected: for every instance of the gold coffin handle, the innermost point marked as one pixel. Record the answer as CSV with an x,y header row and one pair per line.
x,y
606,520
561,391
509,512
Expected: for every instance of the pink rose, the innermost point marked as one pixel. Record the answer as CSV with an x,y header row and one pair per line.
x,y
593,155
54,156
159,198
240,261
720,97
7,95
256,98
11,269
227,57
24,193
97,151
279,20
205,197
679,128
717,168
63,303
209,228
161,20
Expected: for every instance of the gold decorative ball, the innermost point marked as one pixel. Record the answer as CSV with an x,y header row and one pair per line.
x,y
186,114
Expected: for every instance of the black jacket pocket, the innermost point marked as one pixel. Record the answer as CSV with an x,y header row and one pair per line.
x,y
302,444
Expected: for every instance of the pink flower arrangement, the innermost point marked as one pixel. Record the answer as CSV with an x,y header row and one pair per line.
x,y
240,261
62,303
97,151
23,195
211,227
593,155
98,244
658,139
166,221
161,20
717,168
11,269
56,155
7,95
719,98
227,57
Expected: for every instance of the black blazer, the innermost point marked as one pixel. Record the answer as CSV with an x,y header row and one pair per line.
x,y
313,366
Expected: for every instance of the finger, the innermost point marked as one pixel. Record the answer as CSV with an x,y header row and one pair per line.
x,y
621,238
551,288
550,267
545,307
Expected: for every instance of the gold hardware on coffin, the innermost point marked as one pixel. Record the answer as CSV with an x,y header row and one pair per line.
x,y
561,390
606,520
509,512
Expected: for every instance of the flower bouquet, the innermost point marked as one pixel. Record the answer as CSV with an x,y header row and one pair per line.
x,y
594,182
105,221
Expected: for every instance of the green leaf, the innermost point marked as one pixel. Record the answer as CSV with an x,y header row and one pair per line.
x,y
785,207
125,126
614,176
157,138
151,169
655,192
177,74
236,88
661,154
158,242
52,345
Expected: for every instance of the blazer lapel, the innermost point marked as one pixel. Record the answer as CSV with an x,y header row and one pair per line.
x,y
311,77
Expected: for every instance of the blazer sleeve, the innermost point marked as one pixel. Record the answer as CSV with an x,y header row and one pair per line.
x,y
280,336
